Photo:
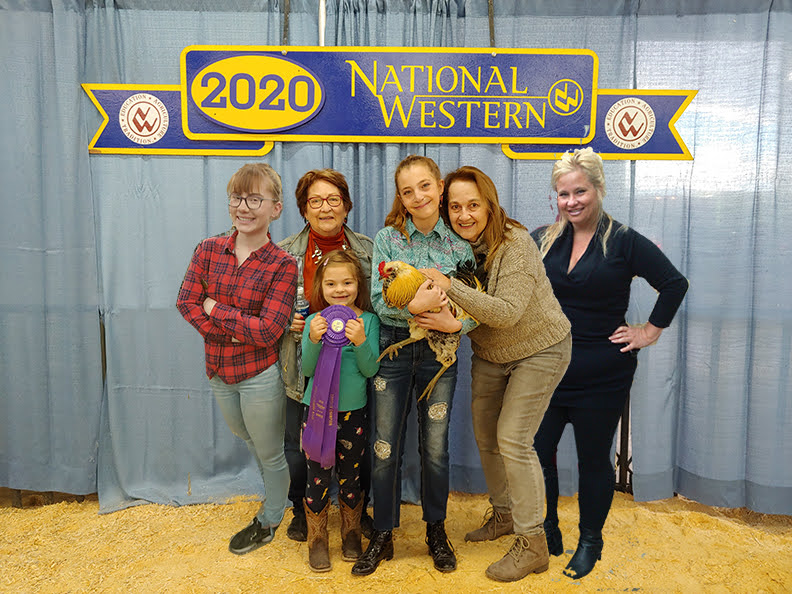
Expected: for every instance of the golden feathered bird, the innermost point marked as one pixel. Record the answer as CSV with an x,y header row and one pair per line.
x,y
400,282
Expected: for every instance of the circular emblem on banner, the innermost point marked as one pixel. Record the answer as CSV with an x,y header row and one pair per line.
x,y
565,97
630,123
143,118
337,325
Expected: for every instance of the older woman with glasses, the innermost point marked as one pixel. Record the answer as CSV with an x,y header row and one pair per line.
x,y
324,202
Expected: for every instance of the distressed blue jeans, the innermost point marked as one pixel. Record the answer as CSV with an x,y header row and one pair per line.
x,y
255,410
396,385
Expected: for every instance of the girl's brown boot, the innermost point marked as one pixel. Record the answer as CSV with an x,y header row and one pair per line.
x,y
350,530
318,551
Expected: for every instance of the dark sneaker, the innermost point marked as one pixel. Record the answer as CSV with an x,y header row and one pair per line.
x,y
251,538
298,527
440,548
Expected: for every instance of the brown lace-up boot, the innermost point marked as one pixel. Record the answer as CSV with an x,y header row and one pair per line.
x,y
350,530
318,551
495,525
527,555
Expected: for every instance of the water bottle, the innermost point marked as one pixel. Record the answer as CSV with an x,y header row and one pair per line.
x,y
301,306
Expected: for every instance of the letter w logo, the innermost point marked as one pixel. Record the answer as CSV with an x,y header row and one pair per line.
x,y
626,126
563,101
141,120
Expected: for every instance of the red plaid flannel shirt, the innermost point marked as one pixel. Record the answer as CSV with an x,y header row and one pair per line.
x,y
254,305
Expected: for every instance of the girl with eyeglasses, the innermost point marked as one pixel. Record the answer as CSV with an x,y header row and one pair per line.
x,y
238,292
324,202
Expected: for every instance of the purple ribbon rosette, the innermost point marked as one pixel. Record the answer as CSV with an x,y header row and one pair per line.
x,y
319,435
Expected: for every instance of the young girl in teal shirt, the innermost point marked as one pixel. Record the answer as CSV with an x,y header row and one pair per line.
x,y
339,280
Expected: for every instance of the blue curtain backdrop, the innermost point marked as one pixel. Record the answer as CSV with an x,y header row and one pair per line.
x,y
93,248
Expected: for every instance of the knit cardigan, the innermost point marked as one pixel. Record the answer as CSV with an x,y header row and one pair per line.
x,y
519,314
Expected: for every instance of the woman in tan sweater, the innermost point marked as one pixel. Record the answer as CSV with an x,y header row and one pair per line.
x,y
521,350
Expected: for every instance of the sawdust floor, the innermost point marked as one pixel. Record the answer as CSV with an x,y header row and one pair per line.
x,y
673,545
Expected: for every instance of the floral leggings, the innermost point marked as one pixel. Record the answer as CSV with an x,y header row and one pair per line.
x,y
351,443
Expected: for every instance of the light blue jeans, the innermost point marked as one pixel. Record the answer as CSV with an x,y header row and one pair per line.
x,y
255,410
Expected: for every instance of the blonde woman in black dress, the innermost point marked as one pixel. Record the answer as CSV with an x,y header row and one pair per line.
x,y
591,260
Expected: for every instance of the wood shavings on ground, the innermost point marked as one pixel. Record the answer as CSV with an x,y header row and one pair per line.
x,y
674,545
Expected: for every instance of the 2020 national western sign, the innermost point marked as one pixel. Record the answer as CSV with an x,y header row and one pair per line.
x,y
535,103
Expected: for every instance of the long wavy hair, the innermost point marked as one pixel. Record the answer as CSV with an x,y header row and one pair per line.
x,y
398,215
590,163
498,222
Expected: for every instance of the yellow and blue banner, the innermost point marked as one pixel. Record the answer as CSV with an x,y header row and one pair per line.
x,y
536,103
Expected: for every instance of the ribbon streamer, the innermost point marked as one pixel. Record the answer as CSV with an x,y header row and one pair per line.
x,y
319,435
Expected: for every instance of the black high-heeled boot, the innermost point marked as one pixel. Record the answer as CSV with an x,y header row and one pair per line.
x,y
380,547
555,542
589,551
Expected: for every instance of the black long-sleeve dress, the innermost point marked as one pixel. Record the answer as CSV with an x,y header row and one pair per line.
x,y
595,296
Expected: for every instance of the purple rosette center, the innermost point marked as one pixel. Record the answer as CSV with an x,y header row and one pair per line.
x,y
337,317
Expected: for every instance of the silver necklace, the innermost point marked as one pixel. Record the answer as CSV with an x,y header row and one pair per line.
x,y
317,253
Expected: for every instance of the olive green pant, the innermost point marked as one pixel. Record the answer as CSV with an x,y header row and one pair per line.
x,y
508,403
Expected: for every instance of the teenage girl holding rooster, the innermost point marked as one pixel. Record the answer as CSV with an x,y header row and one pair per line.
x,y
416,234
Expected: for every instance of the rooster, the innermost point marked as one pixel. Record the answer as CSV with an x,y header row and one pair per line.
x,y
400,282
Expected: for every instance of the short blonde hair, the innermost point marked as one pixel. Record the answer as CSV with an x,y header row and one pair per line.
x,y
590,163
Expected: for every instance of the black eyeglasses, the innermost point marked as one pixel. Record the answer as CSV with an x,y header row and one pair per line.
x,y
316,201
253,201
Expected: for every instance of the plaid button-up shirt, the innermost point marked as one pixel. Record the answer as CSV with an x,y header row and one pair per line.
x,y
254,305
